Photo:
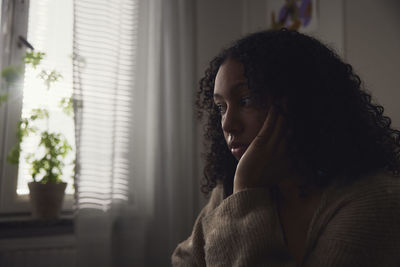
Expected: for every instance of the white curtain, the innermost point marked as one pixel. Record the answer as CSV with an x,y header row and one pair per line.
x,y
134,86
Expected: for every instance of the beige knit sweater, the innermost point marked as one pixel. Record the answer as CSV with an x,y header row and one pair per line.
x,y
355,225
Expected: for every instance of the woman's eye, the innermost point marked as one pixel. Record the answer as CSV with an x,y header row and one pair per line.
x,y
221,108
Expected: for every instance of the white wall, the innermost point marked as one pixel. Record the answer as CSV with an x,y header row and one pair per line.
x,y
372,45
218,23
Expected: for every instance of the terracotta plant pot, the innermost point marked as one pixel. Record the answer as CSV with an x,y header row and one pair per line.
x,y
46,199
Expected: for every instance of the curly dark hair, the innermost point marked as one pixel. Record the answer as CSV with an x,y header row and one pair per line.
x,y
335,128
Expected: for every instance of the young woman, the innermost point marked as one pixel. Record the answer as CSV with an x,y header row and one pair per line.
x,y
302,166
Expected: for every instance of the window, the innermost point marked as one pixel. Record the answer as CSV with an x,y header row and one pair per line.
x,y
47,25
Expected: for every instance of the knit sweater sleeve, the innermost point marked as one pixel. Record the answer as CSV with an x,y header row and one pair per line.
x,y
362,229
191,251
240,231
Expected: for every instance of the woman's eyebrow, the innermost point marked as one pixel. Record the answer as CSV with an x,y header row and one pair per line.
x,y
233,87
217,96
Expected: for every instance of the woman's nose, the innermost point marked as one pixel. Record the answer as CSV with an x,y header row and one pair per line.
x,y
231,122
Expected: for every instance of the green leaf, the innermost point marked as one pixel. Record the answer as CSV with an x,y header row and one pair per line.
x,y
66,104
13,155
23,130
51,164
33,58
11,73
49,77
39,113
3,98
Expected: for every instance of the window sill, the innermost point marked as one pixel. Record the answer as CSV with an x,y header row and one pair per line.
x,y
24,226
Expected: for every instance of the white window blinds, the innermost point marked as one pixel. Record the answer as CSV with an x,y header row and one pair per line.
x,y
105,36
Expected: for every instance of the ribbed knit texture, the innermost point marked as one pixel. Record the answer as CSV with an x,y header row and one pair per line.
x,y
355,225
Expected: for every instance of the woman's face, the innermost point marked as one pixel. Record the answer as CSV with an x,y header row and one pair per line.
x,y
241,118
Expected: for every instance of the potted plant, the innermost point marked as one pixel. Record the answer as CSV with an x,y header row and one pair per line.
x,y
47,189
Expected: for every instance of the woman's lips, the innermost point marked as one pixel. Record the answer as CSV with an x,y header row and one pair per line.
x,y
238,151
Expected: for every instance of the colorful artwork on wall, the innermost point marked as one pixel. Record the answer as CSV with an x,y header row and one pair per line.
x,y
298,15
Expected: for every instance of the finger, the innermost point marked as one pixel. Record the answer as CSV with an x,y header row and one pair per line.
x,y
268,126
278,133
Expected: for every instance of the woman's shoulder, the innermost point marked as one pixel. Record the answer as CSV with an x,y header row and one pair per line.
x,y
378,190
359,221
371,186
372,200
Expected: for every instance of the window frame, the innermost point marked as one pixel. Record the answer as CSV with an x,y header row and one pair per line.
x,y
14,18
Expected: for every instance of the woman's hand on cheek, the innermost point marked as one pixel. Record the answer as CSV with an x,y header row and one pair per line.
x,y
265,161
